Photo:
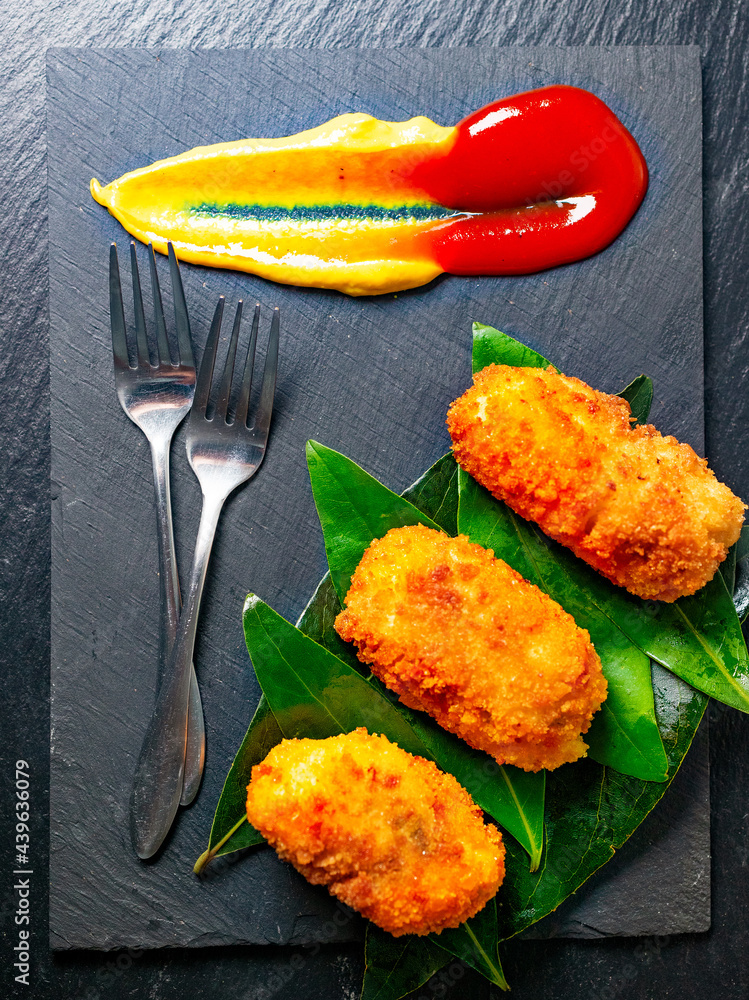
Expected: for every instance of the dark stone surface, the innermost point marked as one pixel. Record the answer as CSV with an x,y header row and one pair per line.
x,y
372,377
684,967
659,882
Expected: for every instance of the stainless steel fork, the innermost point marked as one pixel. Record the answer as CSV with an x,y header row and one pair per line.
x,y
157,396
223,452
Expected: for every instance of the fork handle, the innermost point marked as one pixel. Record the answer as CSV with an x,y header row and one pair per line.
x,y
160,772
168,576
170,602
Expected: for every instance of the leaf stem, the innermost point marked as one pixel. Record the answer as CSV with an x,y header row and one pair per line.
x,y
207,856
722,668
536,849
497,975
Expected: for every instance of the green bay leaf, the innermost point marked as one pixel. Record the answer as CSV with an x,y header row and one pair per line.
x,y
741,575
624,733
492,347
436,494
397,966
311,692
591,810
639,395
475,944
698,638
230,830
727,570
514,801
511,796
353,508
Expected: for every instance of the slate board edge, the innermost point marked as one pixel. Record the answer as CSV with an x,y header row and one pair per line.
x,y
396,50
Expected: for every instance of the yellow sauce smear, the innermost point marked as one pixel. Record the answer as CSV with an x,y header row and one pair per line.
x,y
331,207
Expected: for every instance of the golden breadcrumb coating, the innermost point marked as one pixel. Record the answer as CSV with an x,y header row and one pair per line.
x,y
389,834
640,508
462,636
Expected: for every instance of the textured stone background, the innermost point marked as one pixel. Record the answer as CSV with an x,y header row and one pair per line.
x,y
370,376
683,967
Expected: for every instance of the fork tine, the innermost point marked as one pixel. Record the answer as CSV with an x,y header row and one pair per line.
x,y
268,390
140,319
158,310
222,403
243,401
181,318
205,375
116,311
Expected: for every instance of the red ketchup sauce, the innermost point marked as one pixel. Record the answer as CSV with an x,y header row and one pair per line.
x,y
553,173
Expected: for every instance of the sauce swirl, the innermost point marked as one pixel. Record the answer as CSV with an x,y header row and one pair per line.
x,y
526,183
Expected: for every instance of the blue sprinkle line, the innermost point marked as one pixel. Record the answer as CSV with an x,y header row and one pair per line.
x,y
312,213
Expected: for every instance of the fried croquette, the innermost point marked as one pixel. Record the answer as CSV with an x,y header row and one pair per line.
x,y
389,834
462,636
640,508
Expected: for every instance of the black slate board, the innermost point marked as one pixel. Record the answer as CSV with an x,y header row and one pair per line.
x,y
372,377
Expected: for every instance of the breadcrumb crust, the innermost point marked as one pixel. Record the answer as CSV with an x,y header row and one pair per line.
x,y
462,636
390,834
642,509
